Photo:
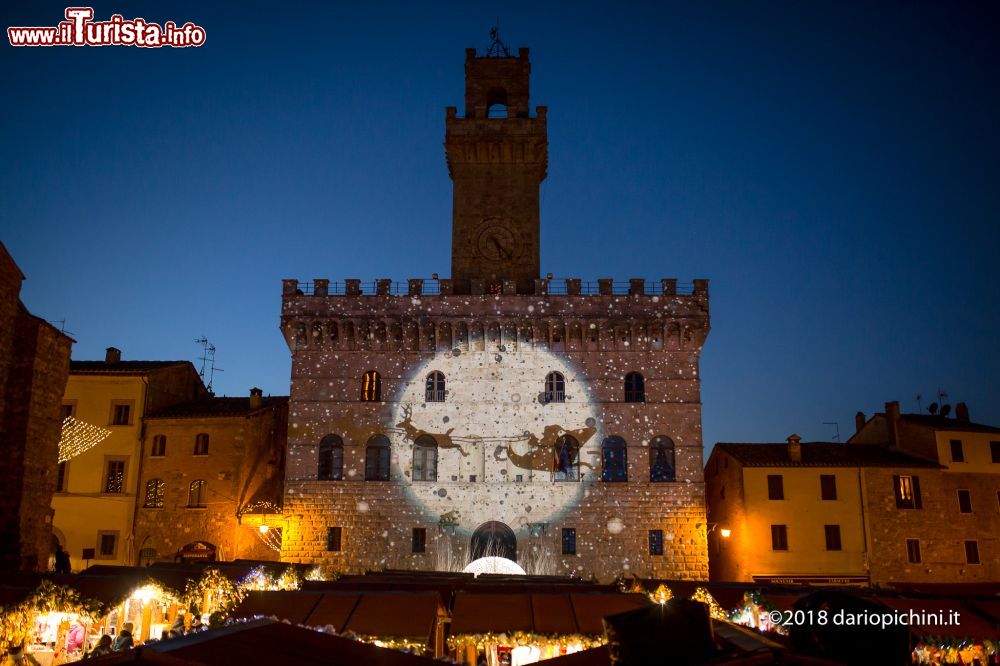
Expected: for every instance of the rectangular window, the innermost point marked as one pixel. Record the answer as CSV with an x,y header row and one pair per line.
x,y
114,476
775,487
907,491
419,540
995,452
972,552
779,537
569,541
957,454
333,535
159,447
61,477
121,412
965,501
68,409
913,551
828,486
832,537
107,545
656,542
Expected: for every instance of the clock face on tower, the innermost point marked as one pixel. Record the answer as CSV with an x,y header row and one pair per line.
x,y
495,242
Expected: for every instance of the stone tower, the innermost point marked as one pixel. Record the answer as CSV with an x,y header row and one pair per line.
x,y
556,421
497,157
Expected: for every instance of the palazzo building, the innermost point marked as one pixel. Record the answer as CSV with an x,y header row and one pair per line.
x,y
499,411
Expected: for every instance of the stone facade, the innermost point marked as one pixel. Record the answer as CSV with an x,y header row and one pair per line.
x,y
34,362
940,525
242,467
532,395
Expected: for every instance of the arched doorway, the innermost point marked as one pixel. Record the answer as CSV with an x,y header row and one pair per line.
x,y
494,539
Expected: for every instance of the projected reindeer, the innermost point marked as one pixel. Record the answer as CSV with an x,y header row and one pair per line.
x,y
444,440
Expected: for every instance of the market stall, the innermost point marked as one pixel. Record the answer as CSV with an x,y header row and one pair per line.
x,y
52,622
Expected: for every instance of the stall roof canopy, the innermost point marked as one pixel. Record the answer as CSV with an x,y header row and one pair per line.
x,y
265,642
476,613
410,615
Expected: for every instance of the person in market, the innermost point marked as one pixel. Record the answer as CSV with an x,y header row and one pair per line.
x,y
177,628
76,636
124,640
102,648
18,657
62,561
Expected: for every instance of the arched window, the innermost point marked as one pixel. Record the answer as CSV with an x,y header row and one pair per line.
x,y
201,444
196,494
331,459
377,458
435,387
635,387
159,448
371,387
566,459
614,456
425,459
661,459
154,494
555,387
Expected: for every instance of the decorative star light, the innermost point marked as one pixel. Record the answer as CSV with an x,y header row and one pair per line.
x,y
79,436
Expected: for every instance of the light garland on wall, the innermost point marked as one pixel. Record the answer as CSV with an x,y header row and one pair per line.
x,y
79,436
269,536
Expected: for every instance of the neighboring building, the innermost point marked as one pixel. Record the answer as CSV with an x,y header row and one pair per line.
x,y
203,464
34,362
498,411
795,512
942,526
95,498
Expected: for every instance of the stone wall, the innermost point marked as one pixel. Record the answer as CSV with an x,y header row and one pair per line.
x,y
34,365
494,433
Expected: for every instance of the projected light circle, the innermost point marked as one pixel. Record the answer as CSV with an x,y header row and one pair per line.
x,y
497,438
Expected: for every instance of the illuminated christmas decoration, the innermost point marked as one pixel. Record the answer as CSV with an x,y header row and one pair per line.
x,y
213,593
549,645
662,594
755,611
79,436
270,535
17,622
493,565
259,579
714,609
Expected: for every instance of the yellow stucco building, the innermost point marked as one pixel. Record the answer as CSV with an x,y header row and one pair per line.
x,y
95,498
794,512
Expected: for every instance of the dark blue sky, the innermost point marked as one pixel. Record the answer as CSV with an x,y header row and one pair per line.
x,y
832,168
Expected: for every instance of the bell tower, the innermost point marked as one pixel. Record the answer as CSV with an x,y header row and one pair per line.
x,y
497,158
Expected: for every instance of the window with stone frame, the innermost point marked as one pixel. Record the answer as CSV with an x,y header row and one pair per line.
x,y
965,501
419,540
371,387
913,551
114,475
569,541
779,537
906,489
972,552
434,391
201,444
614,458
121,412
567,459
662,463
425,459
334,536
635,387
957,452
832,533
159,447
775,487
331,459
555,387
656,542
107,545
828,486
154,494
197,493
377,456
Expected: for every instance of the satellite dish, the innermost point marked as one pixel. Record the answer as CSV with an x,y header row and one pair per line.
x,y
945,410
932,408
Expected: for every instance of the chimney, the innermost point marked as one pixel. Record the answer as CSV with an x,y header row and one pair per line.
x,y
112,355
795,448
962,412
892,422
859,422
256,398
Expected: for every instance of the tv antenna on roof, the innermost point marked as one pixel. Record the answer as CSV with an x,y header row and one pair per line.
x,y
497,48
836,425
207,358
